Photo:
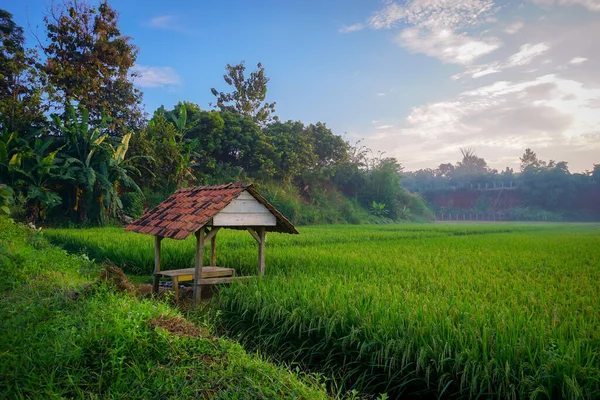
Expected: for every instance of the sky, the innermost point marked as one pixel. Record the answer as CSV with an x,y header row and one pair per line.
x,y
416,79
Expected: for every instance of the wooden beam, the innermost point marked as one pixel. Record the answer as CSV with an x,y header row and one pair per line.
x,y
213,250
261,250
211,233
198,264
255,235
156,280
229,279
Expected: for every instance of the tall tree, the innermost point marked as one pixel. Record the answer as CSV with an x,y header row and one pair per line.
x,y
529,160
21,83
89,62
470,165
248,95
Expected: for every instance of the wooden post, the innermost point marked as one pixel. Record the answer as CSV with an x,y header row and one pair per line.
x,y
156,278
213,250
198,265
261,250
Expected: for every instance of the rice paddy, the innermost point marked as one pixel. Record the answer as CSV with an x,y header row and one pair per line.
x,y
454,310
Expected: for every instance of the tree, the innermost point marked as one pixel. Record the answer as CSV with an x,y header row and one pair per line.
x,y
471,165
596,174
37,177
445,170
330,149
21,83
293,149
529,160
248,96
89,62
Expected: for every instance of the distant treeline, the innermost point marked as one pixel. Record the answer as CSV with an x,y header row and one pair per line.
x,y
541,190
76,147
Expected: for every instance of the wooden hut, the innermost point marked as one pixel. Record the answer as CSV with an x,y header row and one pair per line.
x,y
203,211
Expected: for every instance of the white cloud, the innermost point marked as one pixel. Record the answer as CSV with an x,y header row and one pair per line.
x,y
168,23
155,76
447,45
351,28
549,112
434,27
578,60
526,54
514,28
162,22
592,5
434,14
380,94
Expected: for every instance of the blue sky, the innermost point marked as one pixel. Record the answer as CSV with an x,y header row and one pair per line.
x,y
418,79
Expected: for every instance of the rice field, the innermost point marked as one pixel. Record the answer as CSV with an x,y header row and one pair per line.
x,y
445,310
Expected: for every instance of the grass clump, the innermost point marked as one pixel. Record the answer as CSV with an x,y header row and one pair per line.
x,y
104,343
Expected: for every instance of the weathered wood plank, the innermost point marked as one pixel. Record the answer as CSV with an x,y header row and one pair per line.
x,y
211,233
213,249
249,219
245,196
198,264
245,206
175,281
213,281
156,280
261,250
190,271
254,234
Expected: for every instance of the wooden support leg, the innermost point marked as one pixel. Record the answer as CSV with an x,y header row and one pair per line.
x,y
175,280
261,250
213,251
156,277
198,265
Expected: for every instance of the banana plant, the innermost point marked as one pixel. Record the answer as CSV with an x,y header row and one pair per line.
x,y
115,175
85,150
13,149
37,177
6,199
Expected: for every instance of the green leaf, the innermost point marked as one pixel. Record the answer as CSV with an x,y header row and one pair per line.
x,y
15,160
49,159
85,117
5,210
3,153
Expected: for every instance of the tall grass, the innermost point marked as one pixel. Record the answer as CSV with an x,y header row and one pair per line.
x,y
101,344
496,310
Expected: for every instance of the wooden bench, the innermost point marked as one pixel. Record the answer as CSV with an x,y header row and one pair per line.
x,y
210,276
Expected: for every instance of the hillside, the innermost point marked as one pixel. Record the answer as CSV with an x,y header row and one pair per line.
x,y
64,338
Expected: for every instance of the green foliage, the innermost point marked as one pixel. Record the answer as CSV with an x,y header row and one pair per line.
x,y
6,199
378,209
547,187
61,340
89,62
133,204
22,85
101,152
248,94
96,170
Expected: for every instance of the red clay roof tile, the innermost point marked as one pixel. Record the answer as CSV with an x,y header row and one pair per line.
x,y
189,209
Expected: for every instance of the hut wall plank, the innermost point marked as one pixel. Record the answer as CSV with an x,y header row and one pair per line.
x,y
248,219
244,210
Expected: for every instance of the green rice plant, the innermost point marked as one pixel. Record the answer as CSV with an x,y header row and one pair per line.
x,y
445,310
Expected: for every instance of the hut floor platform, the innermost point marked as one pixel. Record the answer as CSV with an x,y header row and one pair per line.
x,y
210,275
